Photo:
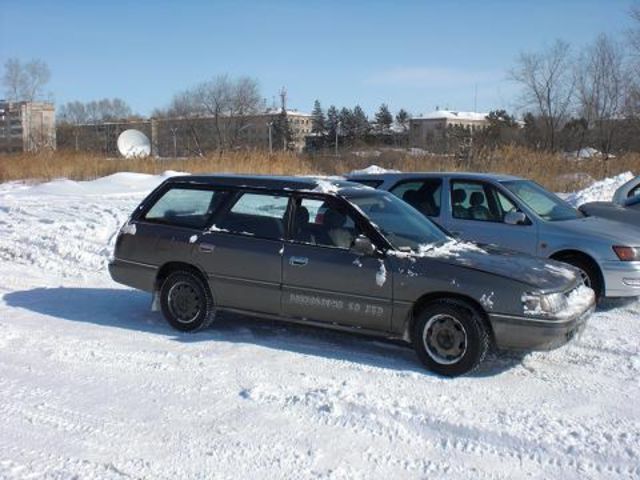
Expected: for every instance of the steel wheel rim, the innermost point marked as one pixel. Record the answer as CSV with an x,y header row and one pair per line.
x,y
445,339
184,302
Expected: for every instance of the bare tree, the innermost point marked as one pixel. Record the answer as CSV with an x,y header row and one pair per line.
x,y
634,32
602,83
547,83
25,81
74,113
70,116
13,79
228,102
37,75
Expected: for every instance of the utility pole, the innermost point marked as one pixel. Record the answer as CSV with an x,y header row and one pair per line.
x,y
270,125
337,131
174,132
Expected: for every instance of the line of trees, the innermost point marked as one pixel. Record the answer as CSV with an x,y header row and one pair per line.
x,y
589,97
353,127
95,111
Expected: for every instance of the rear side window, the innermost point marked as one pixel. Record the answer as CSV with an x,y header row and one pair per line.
x,y
184,207
257,215
423,195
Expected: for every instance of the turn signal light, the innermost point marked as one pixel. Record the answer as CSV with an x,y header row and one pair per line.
x,y
627,254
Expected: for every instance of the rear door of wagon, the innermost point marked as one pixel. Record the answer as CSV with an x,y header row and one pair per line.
x,y
241,251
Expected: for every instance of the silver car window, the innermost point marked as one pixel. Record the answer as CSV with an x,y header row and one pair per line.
x,y
544,203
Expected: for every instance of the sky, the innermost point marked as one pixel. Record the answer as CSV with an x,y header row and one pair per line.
x,y
416,55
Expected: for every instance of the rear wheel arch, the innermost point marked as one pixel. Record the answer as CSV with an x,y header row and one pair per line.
x,y
165,270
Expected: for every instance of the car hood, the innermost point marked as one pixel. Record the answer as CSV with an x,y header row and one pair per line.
x,y
612,231
546,275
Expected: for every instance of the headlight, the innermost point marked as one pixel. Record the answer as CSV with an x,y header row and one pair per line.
x,y
627,254
544,304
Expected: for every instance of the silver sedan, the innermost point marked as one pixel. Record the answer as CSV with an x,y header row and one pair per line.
x,y
521,215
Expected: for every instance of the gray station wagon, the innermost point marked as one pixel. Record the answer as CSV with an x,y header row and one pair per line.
x,y
341,255
519,214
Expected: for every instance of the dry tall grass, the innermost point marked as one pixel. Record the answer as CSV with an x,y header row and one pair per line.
x,y
551,170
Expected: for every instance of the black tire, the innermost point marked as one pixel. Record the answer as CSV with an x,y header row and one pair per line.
x,y
186,301
450,338
590,272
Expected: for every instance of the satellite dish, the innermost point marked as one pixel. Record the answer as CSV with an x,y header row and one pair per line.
x,y
134,144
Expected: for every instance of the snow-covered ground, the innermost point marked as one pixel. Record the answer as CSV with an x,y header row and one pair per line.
x,y
94,385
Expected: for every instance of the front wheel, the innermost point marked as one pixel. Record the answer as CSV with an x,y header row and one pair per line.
x,y
589,273
450,339
186,301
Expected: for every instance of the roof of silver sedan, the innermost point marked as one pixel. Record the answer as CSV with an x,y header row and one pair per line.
x,y
410,175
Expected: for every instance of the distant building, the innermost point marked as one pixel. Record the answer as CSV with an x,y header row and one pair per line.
x,y
190,136
27,126
427,130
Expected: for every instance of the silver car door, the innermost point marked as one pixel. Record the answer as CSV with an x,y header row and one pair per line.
x,y
478,211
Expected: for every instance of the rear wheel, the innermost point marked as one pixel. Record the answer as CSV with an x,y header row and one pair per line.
x,y
186,301
450,339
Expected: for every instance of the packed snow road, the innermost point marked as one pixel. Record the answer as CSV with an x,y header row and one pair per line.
x,y
94,385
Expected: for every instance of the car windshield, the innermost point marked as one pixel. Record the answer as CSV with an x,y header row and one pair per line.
x,y
547,205
401,224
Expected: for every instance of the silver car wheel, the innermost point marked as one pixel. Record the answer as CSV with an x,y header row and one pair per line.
x,y
445,339
184,302
585,277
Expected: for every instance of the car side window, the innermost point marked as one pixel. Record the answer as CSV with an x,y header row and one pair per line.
x,y
479,201
318,222
256,214
184,207
424,196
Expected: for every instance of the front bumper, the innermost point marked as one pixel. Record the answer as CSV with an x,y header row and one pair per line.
x,y
531,333
621,279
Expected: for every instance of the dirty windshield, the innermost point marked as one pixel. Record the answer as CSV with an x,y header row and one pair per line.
x,y
402,225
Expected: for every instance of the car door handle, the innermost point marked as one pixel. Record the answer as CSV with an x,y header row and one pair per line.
x,y
206,247
298,261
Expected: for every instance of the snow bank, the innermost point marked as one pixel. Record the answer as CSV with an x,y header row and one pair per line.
x,y
601,191
122,183
68,228
373,170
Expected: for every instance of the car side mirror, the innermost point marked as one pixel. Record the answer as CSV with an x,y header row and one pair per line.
x,y
515,218
363,246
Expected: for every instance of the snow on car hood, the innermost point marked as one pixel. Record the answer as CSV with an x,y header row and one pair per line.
x,y
546,275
